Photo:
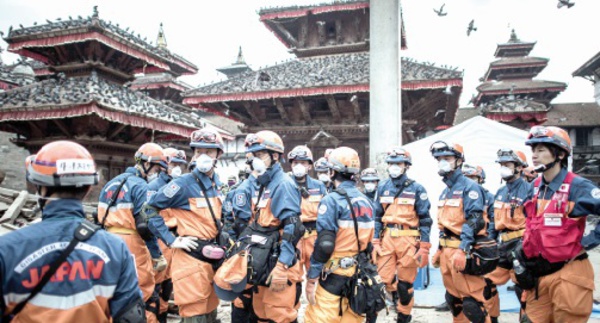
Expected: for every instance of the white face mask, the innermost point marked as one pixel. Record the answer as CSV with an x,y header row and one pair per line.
x,y
324,178
370,187
176,172
506,173
151,177
259,166
444,167
299,171
395,171
204,163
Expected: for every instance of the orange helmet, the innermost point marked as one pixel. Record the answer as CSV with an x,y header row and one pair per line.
x,y
60,164
549,135
471,170
530,173
442,148
369,174
176,155
300,153
398,155
508,155
207,138
327,153
152,153
321,165
344,160
264,140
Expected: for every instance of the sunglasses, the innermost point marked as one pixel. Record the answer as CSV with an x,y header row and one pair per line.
x,y
540,131
470,170
252,139
206,136
397,152
298,153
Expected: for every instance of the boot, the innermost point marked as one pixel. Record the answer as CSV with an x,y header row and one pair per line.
x,y
442,307
403,318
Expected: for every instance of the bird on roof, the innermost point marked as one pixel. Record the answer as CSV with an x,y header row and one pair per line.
x,y
441,12
562,3
471,27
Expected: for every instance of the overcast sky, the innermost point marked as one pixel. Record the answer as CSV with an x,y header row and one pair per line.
x,y
208,33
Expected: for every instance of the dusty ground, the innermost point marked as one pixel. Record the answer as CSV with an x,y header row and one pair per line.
x,y
426,315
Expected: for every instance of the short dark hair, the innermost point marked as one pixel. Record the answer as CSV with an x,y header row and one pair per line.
x,y
69,191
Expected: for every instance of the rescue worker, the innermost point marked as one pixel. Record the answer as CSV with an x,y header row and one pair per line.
x,y
243,203
509,224
164,286
461,220
477,174
97,280
402,226
322,172
278,208
336,249
555,222
195,202
311,191
370,179
119,210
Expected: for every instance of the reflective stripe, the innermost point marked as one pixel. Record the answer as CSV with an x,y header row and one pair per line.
x,y
507,236
121,230
64,302
350,224
115,207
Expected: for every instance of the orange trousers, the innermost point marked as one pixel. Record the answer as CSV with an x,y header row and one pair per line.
x,y
499,277
143,266
327,309
565,296
306,245
459,284
192,285
281,307
160,277
395,260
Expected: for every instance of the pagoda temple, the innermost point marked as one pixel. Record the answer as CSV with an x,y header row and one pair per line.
x,y
509,93
84,99
321,98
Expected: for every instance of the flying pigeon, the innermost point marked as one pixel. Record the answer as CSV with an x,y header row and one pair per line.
x,y
471,27
562,3
441,12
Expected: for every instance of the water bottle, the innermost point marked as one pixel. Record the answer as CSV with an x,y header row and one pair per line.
x,y
517,266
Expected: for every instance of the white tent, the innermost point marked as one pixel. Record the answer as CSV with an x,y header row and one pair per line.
x,y
481,138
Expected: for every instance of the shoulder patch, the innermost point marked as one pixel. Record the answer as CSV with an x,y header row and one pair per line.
x,y
423,196
596,193
240,200
171,190
499,198
228,206
473,195
322,209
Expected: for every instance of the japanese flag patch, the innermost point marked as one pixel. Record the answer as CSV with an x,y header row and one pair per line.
x,y
240,200
171,190
423,196
473,195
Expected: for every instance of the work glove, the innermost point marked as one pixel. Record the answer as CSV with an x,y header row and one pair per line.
x,y
436,258
311,290
278,279
422,255
159,264
459,260
186,243
376,249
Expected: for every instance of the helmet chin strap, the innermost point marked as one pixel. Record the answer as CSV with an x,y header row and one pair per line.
x,y
542,168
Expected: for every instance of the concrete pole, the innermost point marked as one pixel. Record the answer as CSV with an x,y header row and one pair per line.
x,y
385,111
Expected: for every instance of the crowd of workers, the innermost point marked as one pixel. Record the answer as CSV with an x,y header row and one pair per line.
x,y
168,227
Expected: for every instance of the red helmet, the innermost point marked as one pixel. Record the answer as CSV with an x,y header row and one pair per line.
x,y
207,138
300,153
264,140
344,160
442,148
176,155
61,164
549,135
152,153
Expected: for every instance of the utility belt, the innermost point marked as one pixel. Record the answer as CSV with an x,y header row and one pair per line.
x,y
450,243
338,263
506,236
400,230
311,228
482,257
198,254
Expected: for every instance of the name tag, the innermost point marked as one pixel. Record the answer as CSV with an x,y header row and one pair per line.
x,y
453,202
201,203
441,203
406,201
254,200
258,239
386,199
553,219
263,203
314,198
498,205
